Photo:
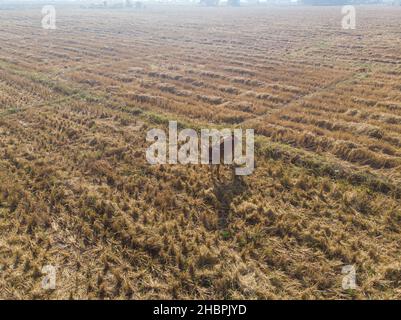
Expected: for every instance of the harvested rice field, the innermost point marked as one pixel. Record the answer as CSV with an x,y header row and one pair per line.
x,y
77,192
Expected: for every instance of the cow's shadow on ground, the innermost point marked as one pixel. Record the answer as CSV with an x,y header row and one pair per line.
x,y
225,191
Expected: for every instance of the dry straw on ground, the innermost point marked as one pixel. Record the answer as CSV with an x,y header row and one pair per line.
x,y
76,191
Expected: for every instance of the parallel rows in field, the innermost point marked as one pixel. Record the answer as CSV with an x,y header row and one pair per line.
x,y
77,191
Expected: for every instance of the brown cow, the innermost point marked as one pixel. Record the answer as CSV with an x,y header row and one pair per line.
x,y
230,141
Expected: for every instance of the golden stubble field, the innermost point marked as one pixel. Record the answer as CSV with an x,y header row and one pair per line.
x,y
76,191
